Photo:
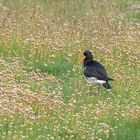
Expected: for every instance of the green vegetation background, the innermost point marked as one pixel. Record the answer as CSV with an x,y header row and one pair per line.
x,y
43,94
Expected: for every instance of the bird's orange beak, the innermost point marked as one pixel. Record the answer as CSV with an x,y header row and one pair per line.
x,y
82,59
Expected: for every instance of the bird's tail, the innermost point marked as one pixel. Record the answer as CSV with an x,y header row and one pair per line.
x,y
110,79
106,85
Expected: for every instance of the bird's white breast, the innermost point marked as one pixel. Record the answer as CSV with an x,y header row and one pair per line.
x,y
93,80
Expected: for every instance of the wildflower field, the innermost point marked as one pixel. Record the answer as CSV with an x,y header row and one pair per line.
x,y
43,94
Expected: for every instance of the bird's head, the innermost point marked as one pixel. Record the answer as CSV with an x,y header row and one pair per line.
x,y
87,55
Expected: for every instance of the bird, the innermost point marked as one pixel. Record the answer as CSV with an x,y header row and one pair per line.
x,y
94,72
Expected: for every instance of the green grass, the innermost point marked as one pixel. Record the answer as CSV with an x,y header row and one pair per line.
x,y
43,94
129,131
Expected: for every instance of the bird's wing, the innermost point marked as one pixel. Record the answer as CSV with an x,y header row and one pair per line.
x,y
101,71
97,71
102,75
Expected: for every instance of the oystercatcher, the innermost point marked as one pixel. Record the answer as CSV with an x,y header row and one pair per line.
x,y
94,72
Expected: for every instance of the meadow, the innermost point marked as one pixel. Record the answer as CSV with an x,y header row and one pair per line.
x,y
43,94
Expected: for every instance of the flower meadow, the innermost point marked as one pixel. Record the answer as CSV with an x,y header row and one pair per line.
x,y
43,94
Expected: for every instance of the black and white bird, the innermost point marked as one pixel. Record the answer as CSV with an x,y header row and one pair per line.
x,y
94,72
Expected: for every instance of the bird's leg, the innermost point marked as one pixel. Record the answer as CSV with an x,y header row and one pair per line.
x,y
98,88
90,89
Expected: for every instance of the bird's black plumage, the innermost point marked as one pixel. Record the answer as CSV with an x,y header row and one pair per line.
x,y
95,71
